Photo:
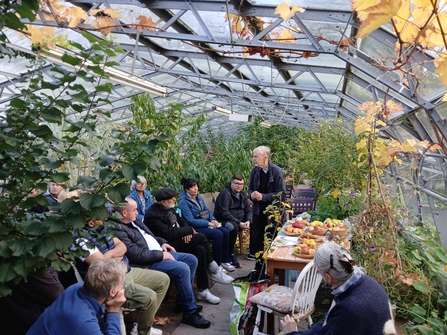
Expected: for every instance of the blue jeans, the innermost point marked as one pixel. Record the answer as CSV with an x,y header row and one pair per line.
x,y
181,271
220,238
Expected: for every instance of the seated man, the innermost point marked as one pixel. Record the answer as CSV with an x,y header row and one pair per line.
x,y
146,251
77,310
163,221
145,288
233,209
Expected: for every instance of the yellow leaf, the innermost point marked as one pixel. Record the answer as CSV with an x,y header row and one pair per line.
x,y
104,24
287,36
144,23
424,4
402,16
335,193
113,13
360,5
286,12
36,34
76,14
376,16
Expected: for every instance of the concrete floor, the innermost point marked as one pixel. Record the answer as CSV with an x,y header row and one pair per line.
x,y
219,314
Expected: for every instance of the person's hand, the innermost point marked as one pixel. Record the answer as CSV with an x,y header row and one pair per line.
x,y
256,196
245,225
167,247
168,256
288,324
187,238
113,303
213,224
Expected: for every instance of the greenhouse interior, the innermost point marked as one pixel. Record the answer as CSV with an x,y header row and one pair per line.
x,y
349,96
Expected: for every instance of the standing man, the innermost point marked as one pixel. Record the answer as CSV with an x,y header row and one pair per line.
x,y
233,209
144,250
78,309
266,181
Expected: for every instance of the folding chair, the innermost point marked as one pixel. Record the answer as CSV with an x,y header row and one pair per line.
x,y
298,302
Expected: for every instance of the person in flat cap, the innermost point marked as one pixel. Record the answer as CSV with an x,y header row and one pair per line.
x,y
164,221
360,305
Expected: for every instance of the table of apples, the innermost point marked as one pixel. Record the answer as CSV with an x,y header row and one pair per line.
x,y
311,234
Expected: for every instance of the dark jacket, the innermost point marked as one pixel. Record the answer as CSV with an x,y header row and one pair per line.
x,y
228,208
160,222
276,184
137,250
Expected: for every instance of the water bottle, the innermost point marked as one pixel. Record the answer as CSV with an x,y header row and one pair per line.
x,y
134,329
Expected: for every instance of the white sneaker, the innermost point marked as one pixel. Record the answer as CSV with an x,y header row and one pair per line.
x,y
207,296
221,277
228,267
155,331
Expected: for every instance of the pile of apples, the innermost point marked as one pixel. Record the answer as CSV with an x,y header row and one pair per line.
x,y
304,249
316,226
299,223
332,223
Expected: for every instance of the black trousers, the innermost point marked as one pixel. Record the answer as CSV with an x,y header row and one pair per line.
x,y
199,247
258,235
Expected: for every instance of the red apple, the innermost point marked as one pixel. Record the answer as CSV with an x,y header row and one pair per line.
x,y
297,224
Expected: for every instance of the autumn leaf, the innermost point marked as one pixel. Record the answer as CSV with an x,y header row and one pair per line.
x,y
76,14
374,14
144,23
104,24
335,194
286,12
113,13
388,256
161,321
307,54
287,36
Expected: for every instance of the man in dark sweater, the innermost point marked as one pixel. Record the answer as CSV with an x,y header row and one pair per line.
x,y
266,181
233,209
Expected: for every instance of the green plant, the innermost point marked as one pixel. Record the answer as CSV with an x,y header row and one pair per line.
x,y
338,205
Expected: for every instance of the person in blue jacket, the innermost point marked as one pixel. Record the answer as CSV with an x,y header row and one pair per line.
x,y
77,310
197,215
360,305
141,195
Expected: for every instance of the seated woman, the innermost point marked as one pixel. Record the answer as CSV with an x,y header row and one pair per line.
x,y
360,305
141,195
196,214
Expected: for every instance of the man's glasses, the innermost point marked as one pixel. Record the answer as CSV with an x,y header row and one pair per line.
x,y
331,261
238,184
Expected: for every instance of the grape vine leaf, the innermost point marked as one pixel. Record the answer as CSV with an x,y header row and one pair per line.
x,y
286,12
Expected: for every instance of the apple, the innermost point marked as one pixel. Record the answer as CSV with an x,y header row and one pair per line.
x,y
311,251
297,224
304,250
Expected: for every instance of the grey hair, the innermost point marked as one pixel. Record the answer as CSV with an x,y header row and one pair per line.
x,y
102,276
134,182
263,150
341,269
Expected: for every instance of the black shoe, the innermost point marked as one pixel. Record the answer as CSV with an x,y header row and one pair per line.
x,y
178,308
196,320
234,261
251,257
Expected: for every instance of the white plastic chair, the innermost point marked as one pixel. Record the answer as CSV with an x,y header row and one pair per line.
x,y
282,300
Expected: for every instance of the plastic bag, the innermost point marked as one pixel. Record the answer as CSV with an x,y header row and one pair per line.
x,y
243,312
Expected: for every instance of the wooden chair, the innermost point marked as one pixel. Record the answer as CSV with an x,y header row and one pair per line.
x,y
298,302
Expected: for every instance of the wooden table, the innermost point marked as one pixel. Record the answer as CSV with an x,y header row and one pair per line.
x,y
282,258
